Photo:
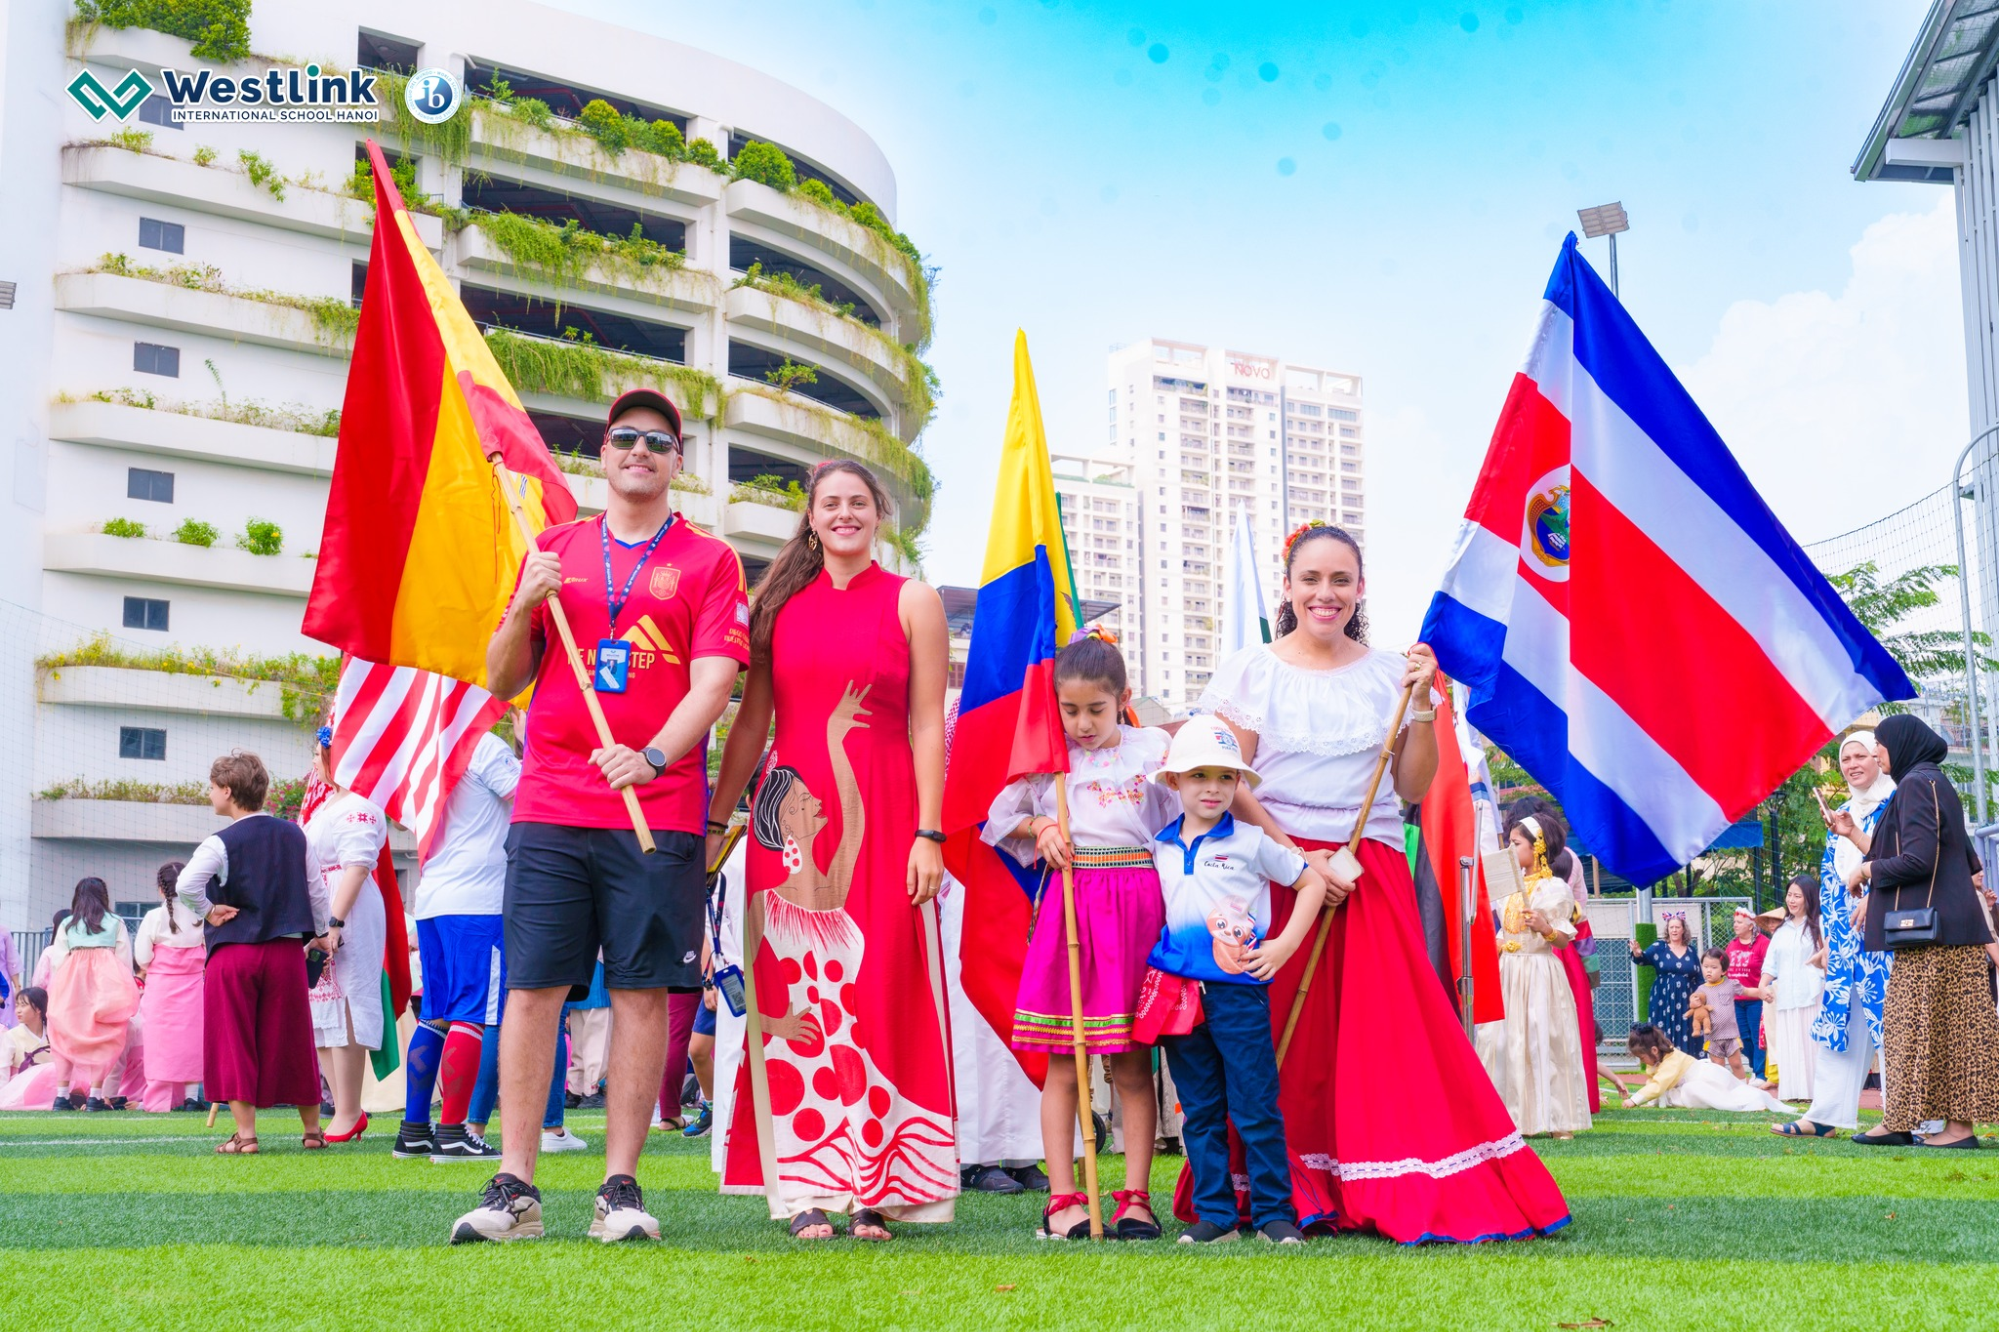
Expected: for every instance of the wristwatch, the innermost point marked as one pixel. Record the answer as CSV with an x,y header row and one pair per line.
x,y
655,757
931,834
335,923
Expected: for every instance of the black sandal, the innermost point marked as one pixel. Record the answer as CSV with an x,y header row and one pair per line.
x,y
1126,1227
811,1217
1884,1138
868,1217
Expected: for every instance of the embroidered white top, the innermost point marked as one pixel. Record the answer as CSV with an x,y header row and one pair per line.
x,y
1318,734
1110,802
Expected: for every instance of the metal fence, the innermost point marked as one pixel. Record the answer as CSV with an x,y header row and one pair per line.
x,y
1709,923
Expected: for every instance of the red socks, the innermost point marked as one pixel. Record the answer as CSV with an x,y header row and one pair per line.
x,y
458,1071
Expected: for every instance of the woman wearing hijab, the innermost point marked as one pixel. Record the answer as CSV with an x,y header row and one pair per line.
x,y
1847,1031
1940,1034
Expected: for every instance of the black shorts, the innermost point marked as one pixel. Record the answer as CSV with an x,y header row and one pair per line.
x,y
573,891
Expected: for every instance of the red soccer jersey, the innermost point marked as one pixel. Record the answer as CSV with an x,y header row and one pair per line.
x,y
689,601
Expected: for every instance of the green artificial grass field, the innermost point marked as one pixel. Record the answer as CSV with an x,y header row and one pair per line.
x,y
1681,1220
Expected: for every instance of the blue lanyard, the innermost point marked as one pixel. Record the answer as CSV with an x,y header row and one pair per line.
x,y
614,602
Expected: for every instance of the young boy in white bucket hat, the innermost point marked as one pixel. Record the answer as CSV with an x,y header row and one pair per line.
x,y
1216,874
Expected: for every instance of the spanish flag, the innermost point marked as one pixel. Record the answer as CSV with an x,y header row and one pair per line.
x,y
1008,724
419,552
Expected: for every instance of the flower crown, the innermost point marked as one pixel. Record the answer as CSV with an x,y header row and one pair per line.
x,y
1299,533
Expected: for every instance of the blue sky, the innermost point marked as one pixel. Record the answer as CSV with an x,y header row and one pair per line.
x,y
1381,188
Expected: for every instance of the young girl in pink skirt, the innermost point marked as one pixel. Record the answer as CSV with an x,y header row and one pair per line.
x,y
92,995
31,1079
171,953
1113,814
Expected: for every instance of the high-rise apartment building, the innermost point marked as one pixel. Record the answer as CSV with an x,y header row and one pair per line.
x,y
176,321
1208,434
1100,523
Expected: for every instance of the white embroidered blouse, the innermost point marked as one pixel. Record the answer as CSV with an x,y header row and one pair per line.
x,y
1318,734
1111,802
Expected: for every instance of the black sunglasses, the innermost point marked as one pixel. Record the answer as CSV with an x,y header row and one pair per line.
x,y
626,437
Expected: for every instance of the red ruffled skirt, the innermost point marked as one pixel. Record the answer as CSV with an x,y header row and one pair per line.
x,y
1391,1122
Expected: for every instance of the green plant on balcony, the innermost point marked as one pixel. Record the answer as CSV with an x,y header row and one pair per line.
x,y
204,156
219,29
768,489
193,532
561,255
262,173
921,386
903,541
448,141
402,172
783,283
260,536
123,527
578,368
791,374
702,154
305,680
132,141
766,164
126,789
294,417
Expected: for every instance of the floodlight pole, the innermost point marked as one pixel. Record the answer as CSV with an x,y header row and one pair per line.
x,y
1964,609
1613,266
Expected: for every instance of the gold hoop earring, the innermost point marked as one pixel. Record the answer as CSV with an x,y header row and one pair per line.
x,y
812,538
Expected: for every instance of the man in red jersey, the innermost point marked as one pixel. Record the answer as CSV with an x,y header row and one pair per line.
x,y
660,614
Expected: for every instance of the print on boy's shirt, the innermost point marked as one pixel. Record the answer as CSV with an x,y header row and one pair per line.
x,y
1234,927
649,645
1217,897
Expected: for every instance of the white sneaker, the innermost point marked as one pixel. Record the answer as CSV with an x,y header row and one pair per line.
x,y
560,1139
510,1210
621,1213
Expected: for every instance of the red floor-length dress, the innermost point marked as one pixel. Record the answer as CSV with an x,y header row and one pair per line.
x,y
1391,1122
860,1115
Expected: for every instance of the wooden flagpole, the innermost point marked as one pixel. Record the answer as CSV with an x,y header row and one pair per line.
x,y
1083,1112
1326,913
575,658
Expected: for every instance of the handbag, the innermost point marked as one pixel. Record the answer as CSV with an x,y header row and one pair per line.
x,y
1168,1006
1915,927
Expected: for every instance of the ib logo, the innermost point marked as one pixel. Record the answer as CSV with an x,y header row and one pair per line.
x,y
432,96
90,93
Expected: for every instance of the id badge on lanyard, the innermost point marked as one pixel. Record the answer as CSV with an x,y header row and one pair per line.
x,y
614,666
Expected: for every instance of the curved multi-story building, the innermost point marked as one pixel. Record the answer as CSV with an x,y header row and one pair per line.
x,y
173,362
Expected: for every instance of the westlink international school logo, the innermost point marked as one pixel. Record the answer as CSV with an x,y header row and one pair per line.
x,y
276,95
91,94
1547,535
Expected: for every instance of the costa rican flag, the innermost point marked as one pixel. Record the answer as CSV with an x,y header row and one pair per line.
x,y
403,737
1636,628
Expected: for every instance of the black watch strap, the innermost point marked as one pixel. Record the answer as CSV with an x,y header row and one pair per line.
x,y
335,923
931,834
657,758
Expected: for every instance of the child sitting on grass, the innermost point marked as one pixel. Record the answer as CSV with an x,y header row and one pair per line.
x,y
1217,874
1684,1080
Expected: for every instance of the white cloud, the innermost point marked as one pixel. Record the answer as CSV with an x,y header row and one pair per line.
x,y
1844,408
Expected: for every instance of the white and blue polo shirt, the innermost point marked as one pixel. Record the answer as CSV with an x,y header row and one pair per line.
x,y
1217,897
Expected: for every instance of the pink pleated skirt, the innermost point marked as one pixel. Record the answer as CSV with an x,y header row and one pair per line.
x,y
1120,911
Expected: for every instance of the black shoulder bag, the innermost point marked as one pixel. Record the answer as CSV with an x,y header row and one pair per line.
x,y
1916,927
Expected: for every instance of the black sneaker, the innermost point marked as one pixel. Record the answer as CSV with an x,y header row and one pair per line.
x,y
594,1102
1031,1178
1280,1232
456,1143
97,1104
413,1140
990,1180
510,1209
117,1103
572,1100
1207,1233
194,1104
62,1103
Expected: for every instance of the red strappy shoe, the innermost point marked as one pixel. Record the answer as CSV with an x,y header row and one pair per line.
x,y
1056,1203
1132,1228
360,1128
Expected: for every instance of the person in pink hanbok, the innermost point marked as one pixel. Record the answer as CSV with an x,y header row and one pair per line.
x,y
170,952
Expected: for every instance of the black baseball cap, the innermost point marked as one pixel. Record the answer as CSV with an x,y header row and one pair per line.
x,y
652,398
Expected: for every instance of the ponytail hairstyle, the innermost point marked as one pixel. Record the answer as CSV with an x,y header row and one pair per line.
x,y
167,879
91,904
1553,831
1092,656
1287,619
801,559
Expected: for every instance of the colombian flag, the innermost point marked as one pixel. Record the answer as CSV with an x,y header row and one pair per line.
x,y
1008,724
419,553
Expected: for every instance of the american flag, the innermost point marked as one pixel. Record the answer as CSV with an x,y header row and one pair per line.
x,y
403,737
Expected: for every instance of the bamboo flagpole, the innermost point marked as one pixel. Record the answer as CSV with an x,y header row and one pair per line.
x,y
575,658
1083,1112
1350,864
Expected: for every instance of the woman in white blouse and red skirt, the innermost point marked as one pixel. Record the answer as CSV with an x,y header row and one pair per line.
x,y
1392,1123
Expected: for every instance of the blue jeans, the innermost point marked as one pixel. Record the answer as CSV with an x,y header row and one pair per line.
x,y
1226,1070
1749,1022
